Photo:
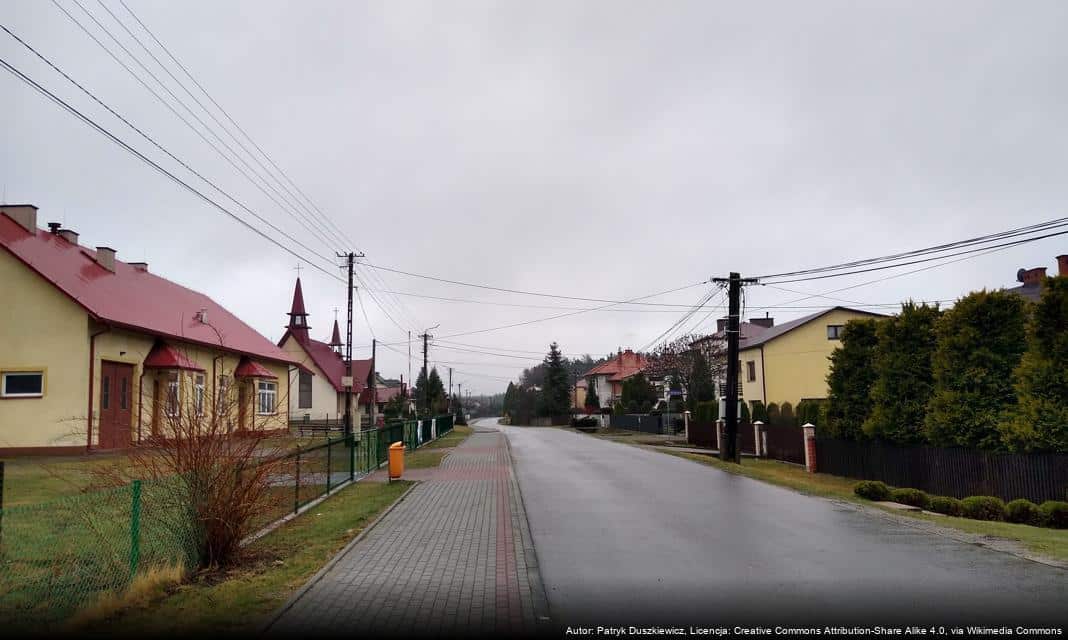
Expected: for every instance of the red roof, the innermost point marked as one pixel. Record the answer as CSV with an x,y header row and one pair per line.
x,y
624,365
331,363
249,368
164,356
383,394
133,298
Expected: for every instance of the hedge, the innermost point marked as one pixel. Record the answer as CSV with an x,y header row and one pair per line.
x,y
983,508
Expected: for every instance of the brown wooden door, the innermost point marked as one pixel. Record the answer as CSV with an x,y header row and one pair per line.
x,y
116,404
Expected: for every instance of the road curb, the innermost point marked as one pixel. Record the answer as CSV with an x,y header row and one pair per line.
x,y
332,562
542,617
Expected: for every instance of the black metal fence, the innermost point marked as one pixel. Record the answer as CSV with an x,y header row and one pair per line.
x,y
784,442
637,422
949,472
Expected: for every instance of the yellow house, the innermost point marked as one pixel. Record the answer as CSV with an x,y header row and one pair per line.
x,y
96,353
790,362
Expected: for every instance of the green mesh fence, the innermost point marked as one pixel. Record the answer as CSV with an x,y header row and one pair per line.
x,y
60,556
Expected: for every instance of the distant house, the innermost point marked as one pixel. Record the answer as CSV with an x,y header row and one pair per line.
x,y
578,394
97,353
790,362
318,389
1031,279
607,378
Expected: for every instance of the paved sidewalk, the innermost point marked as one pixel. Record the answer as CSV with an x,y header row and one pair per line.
x,y
454,556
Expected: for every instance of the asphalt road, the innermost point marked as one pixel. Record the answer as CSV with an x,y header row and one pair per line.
x,y
630,536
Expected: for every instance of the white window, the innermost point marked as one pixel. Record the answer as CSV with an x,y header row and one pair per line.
x,y
834,331
221,402
198,394
22,384
266,395
173,388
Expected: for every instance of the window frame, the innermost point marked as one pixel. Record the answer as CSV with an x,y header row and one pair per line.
x,y
750,371
172,380
199,381
300,390
837,329
4,395
262,393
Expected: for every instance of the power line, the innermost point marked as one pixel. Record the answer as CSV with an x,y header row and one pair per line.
x,y
820,272
226,114
112,137
285,207
156,144
571,313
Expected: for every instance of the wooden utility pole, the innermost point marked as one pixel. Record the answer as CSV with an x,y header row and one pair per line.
x,y
374,382
729,449
350,259
450,390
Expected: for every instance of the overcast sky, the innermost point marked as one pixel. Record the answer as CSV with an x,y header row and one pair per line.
x,y
595,149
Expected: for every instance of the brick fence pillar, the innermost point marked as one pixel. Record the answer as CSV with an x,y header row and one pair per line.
x,y
809,431
758,426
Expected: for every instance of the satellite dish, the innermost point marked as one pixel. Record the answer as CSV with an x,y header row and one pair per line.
x,y
1020,275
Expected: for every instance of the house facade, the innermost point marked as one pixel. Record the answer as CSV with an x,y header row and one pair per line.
x,y
319,390
607,378
97,353
790,362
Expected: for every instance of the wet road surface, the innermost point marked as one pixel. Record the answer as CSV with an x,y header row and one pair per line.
x,y
629,536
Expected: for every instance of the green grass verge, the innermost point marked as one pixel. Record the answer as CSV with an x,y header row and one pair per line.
x,y
278,564
451,439
32,480
430,455
1047,542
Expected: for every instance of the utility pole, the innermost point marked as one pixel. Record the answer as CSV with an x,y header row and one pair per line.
x,y
450,390
729,450
374,382
350,258
426,373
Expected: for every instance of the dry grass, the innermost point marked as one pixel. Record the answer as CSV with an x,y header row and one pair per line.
x,y
146,587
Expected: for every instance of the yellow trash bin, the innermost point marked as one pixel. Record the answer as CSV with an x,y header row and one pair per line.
x,y
396,460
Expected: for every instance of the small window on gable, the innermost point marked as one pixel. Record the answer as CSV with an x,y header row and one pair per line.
x,y
834,331
22,384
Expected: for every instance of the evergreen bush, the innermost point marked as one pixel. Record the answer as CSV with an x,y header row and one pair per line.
x,y
911,497
1023,511
1055,514
946,505
872,490
983,508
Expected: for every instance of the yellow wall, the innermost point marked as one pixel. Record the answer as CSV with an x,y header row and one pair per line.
x,y
42,328
796,363
325,399
132,347
46,330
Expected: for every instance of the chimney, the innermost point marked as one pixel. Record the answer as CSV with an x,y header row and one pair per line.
x,y
763,322
140,266
1062,265
105,257
1031,276
24,214
721,324
69,236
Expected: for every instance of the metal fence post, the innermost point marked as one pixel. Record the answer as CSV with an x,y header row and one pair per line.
x,y
328,448
352,458
135,526
296,485
1,501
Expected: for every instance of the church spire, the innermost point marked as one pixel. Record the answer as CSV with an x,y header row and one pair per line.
x,y
335,340
298,317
